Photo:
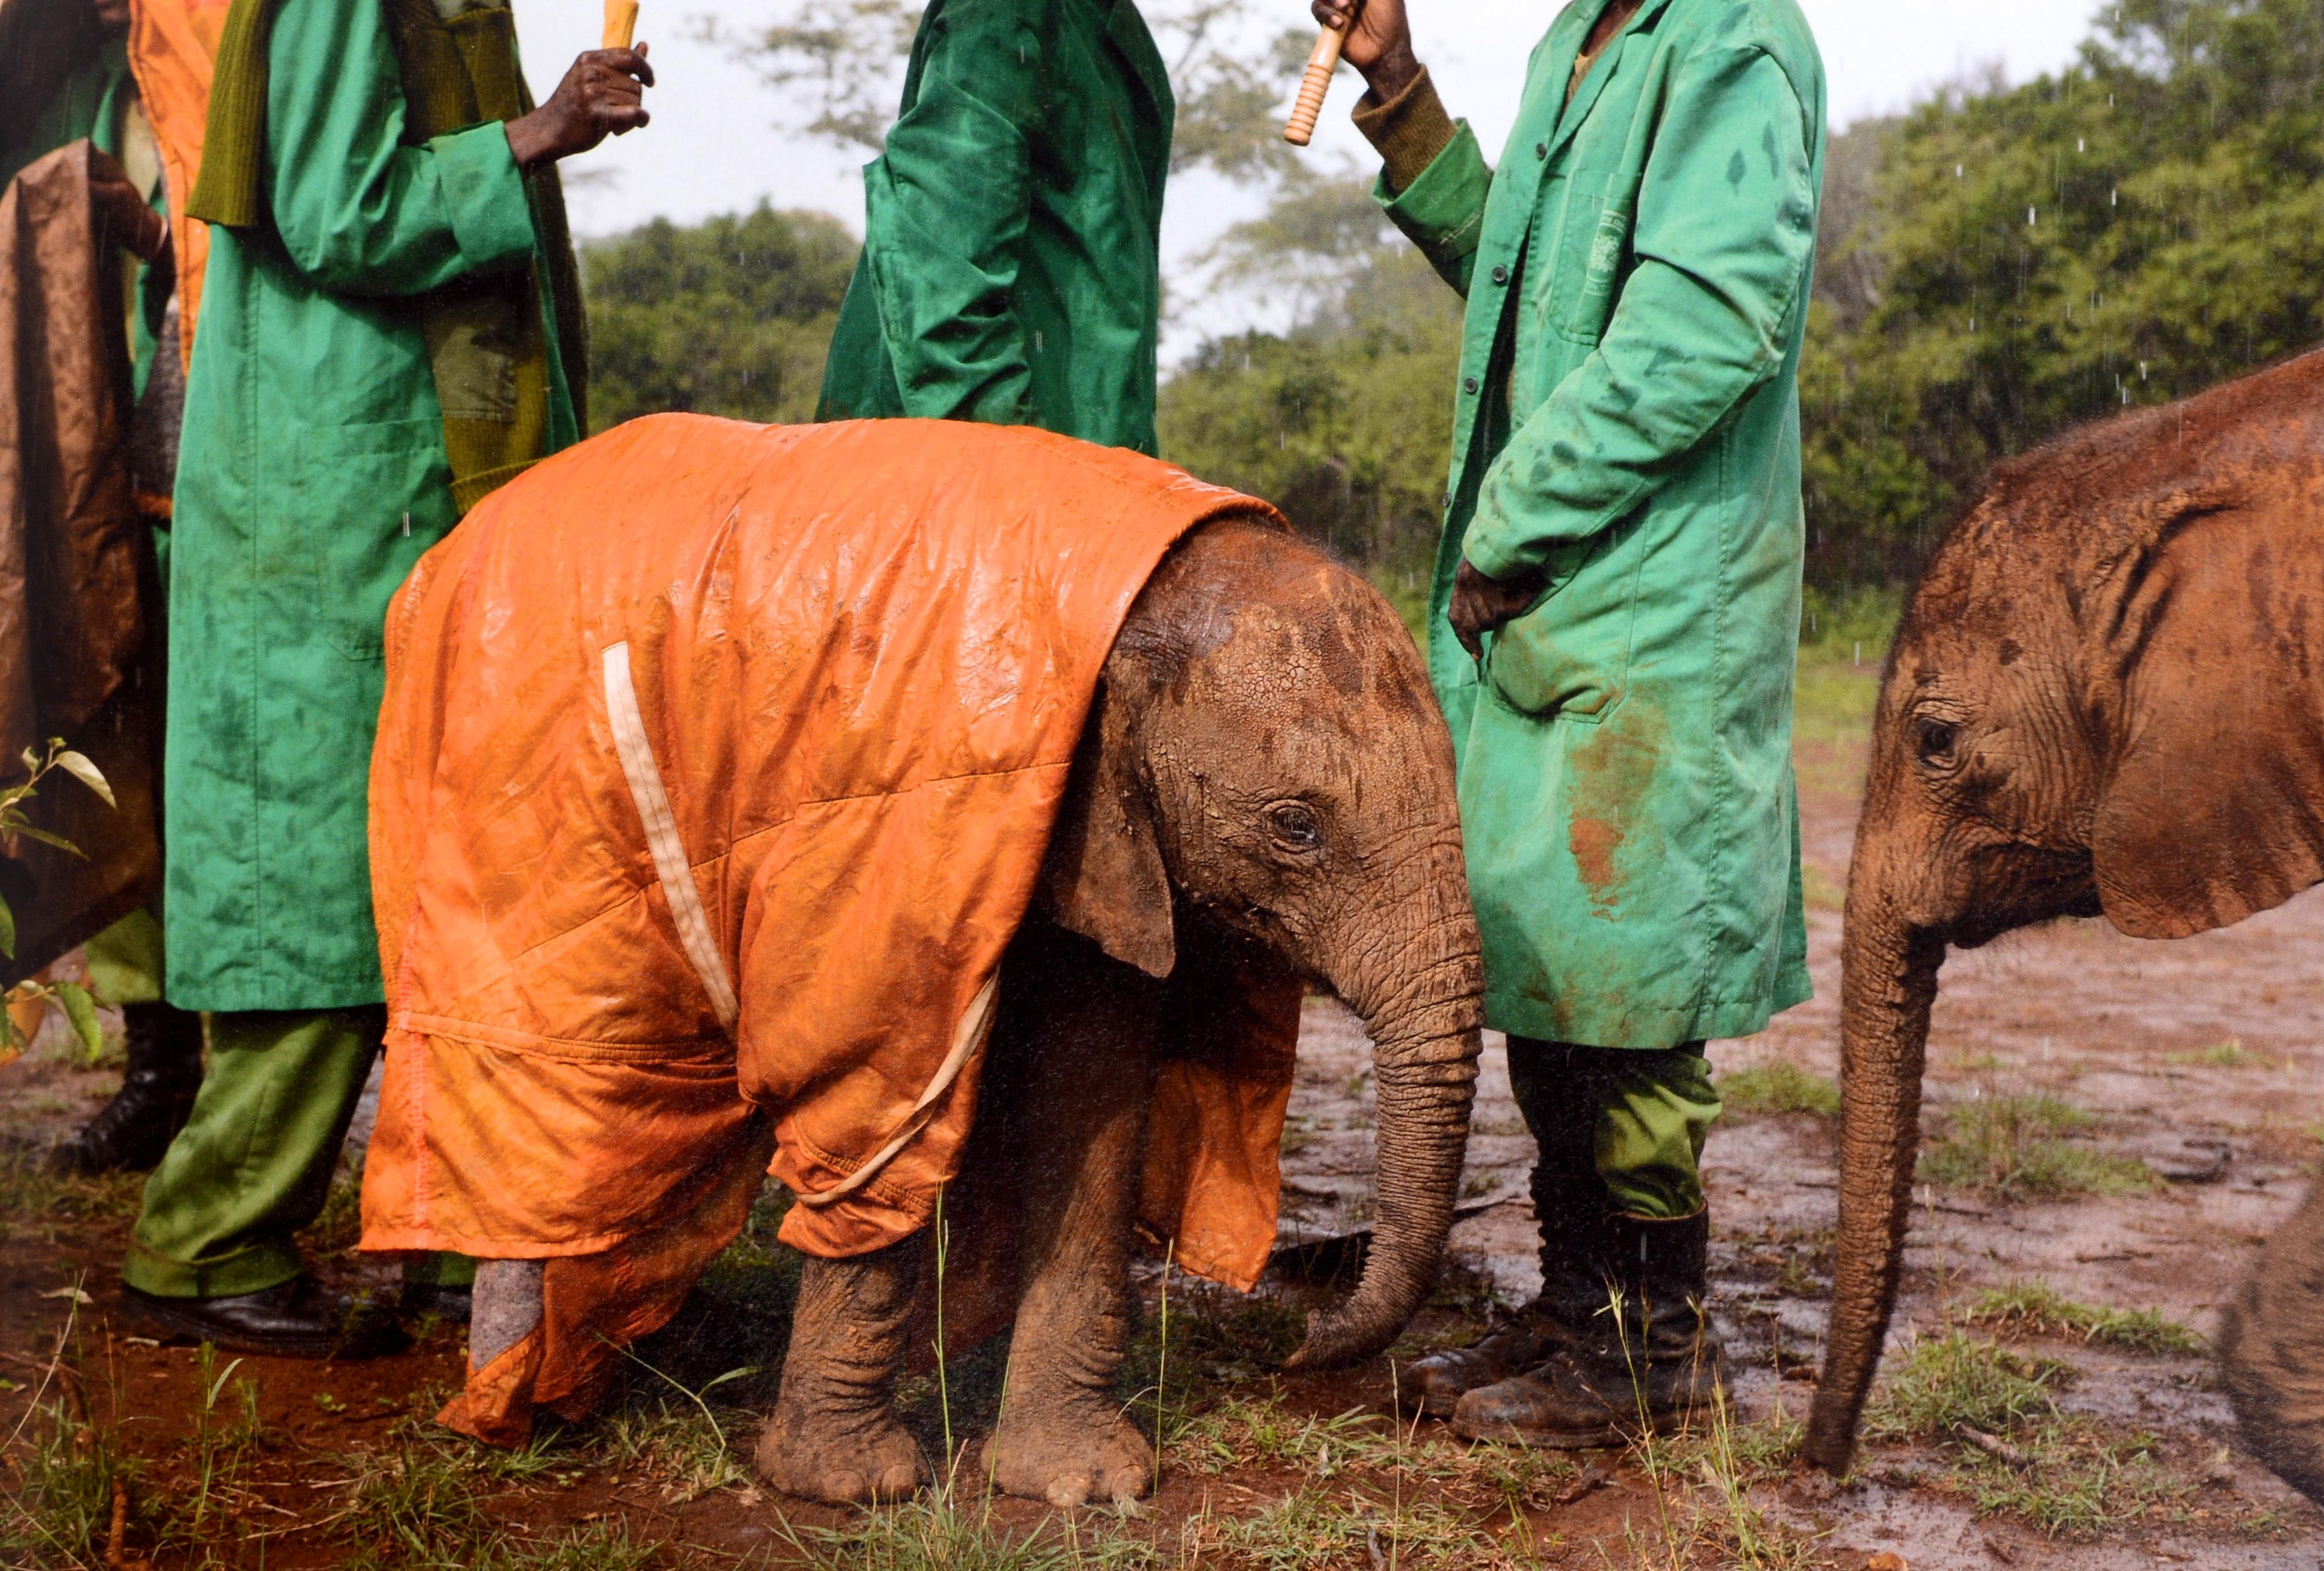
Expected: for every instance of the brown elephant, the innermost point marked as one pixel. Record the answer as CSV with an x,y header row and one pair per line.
x,y
1252,788
1266,775
2105,697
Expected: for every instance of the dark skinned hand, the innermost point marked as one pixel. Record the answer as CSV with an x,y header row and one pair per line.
x,y
1379,41
124,217
1480,604
602,95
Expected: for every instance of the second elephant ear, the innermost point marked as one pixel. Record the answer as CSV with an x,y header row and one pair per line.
x,y
2206,682
1104,877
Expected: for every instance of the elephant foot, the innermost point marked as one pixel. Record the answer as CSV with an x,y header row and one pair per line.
x,y
1072,1453
860,1459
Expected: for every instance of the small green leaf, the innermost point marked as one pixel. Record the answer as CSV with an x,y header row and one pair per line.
x,y
81,1010
46,839
7,930
77,766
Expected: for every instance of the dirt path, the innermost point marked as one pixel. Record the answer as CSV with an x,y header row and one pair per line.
x,y
2202,1060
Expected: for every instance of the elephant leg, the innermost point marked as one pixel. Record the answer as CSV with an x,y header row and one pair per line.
x,y
834,1435
2271,1351
1078,1138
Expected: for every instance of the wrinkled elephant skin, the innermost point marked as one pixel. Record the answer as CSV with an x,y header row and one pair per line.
x,y
1265,782
2106,697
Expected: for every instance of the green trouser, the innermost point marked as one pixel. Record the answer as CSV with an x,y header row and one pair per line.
x,y
1625,1123
125,961
253,1164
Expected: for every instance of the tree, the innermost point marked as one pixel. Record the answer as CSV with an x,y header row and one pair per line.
x,y
731,317
2127,232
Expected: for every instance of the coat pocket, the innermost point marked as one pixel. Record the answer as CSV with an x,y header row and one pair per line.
x,y
1570,656
1590,258
372,499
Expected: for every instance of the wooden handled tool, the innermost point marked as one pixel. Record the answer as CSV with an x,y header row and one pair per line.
x,y
1314,86
620,22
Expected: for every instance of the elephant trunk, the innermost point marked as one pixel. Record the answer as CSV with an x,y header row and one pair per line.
x,y
1422,1016
1888,981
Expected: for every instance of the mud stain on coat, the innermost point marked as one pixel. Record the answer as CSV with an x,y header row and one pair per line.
x,y
1613,778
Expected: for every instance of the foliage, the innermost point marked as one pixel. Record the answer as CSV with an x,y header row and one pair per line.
x,y
1343,424
2036,1309
2013,1146
1944,1383
79,1008
2003,262
729,316
1782,1087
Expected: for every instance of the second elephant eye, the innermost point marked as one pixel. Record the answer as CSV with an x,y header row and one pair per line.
x,y
1294,825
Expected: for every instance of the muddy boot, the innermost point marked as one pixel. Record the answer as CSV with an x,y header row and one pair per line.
x,y
1648,1360
834,1435
1577,1270
164,1047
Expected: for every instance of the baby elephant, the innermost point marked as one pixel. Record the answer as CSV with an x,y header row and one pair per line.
x,y
1256,794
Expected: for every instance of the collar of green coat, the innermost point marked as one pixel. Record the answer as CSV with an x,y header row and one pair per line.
x,y
1566,117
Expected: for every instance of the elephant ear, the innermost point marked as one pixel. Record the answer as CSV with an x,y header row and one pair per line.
x,y
2207,685
1105,877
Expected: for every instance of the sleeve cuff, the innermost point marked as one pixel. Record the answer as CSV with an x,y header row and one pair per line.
x,y
483,191
1408,131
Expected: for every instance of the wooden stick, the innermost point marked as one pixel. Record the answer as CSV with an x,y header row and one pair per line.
x,y
620,22
1314,86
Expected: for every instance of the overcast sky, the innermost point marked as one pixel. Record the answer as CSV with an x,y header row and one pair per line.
x,y
713,147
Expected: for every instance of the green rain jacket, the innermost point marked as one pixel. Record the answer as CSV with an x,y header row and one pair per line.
x,y
1010,271
312,473
1637,275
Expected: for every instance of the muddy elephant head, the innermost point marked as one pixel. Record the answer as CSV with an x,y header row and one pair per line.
x,y
1266,758
2106,697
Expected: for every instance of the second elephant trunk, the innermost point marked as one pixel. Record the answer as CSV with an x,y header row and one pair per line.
x,y
1888,981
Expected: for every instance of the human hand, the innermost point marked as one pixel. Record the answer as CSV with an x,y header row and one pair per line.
x,y
602,95
123,214
1480,604
1379,41
112,16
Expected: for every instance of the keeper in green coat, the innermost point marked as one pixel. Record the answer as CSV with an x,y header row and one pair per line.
x,y
1614,628
1010,269
390,329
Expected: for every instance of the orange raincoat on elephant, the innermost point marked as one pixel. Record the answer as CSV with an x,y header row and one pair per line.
x,y
714,774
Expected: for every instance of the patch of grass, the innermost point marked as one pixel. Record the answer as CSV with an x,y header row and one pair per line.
x,y
2230,1054
1944,1382
935,1533
2014,1146
32,1196
2036,1309
57,1487
416,1507
1312,1527
600,1546
2077,1478
1781,1087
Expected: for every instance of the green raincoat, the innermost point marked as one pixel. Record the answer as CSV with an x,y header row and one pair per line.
x,y
1010,271
312,473
1627,421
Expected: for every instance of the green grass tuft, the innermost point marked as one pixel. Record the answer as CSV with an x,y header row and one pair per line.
x,y
2036,1309
1781,1087
1944,1382
2014,1146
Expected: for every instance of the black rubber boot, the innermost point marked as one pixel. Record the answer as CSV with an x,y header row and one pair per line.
x,y
1647,1360
164,1047
299,1319
1578,1268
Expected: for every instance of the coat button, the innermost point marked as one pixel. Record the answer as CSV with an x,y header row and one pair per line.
x,y
1468,384
1500,275
1541,150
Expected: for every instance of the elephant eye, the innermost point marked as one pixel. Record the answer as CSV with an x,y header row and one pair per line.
x,y
1936,740
1294,825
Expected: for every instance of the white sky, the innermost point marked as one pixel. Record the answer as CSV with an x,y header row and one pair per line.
x,y
713,147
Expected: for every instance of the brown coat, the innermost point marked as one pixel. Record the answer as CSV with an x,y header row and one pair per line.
x,y
74,581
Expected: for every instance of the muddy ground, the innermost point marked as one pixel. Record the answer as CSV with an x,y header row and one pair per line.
x,y
2167,1103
